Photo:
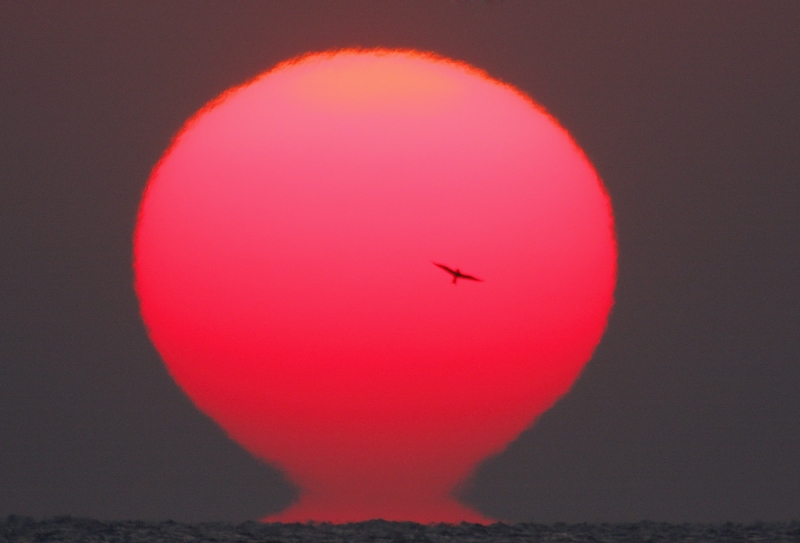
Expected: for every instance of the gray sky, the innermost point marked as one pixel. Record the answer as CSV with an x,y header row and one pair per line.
x,y
689,112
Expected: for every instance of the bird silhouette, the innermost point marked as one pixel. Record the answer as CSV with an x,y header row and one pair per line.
x,y
456,273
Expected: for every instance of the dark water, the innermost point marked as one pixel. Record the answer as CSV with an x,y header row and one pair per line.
x,y
67,529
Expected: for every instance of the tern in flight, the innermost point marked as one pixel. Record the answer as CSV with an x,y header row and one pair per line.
x,y
456,273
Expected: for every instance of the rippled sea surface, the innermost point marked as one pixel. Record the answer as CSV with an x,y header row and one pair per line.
x,y
68,529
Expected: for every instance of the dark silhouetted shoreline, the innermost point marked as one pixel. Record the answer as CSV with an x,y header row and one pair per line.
x,y
70,529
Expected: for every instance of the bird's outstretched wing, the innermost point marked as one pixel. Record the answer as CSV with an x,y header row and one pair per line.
x,y
445,268
462,276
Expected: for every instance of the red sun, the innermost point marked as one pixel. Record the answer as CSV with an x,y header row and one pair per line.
x,y
284,260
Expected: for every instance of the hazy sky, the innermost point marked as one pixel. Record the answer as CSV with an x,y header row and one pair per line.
x,y
689,112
